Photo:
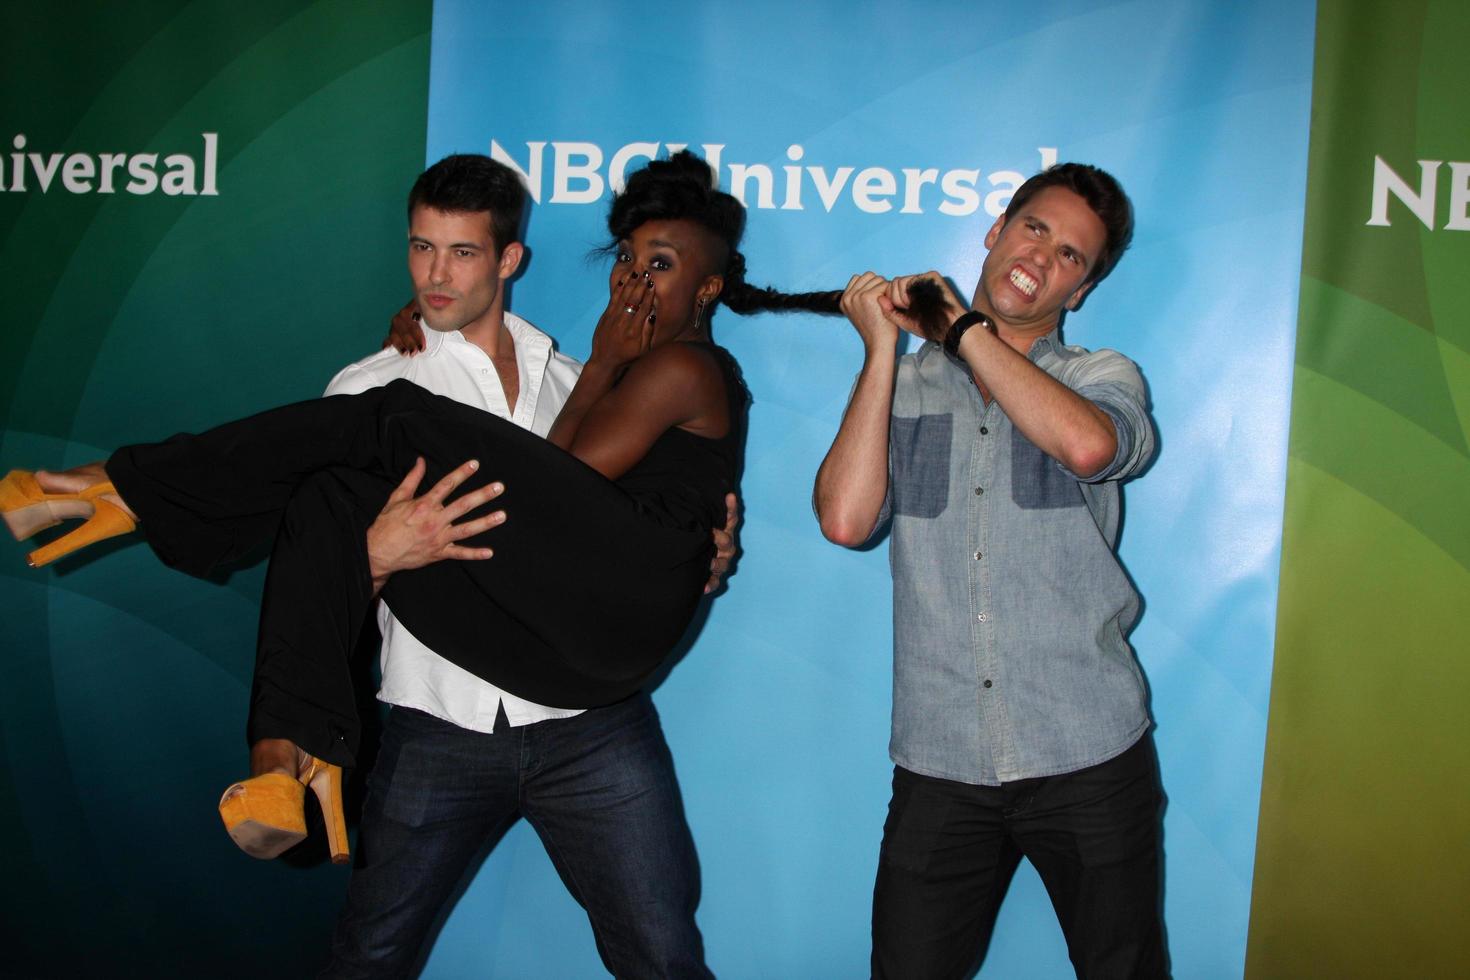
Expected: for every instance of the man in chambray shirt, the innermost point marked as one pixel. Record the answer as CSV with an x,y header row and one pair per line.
x,y
1020,723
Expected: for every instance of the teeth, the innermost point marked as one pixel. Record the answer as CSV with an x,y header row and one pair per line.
x,y
1023,282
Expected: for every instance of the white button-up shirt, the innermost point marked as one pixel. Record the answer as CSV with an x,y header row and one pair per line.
x,y
413,675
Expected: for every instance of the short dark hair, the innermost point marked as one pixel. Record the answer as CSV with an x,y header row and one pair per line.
x,y
681,187
473,182
1103,194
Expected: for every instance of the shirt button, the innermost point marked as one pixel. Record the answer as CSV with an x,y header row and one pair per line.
x,y
979,491
987,683
978,556
983,617
984,431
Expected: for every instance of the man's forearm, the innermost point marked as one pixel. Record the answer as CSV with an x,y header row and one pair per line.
x,y
852,482
1062,424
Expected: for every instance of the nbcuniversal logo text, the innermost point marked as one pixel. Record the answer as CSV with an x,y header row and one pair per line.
x,y
582,172
24,172
1421,202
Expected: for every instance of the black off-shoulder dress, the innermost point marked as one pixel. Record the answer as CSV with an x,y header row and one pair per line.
x,y
592,584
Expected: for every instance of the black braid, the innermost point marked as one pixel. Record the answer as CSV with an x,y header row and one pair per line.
x,y
741,297
745,298
926,299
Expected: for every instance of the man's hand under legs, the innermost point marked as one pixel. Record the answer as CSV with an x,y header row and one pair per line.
x,y
414,531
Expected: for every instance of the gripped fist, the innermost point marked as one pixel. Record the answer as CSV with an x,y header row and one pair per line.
x,y
866,303
914,308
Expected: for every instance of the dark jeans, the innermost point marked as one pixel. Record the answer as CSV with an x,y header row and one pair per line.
x,y
950,849
598,788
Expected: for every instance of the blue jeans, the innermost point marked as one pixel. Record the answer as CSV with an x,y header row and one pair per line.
x,y
600,791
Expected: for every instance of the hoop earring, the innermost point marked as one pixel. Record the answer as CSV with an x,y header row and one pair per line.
x,y
698,315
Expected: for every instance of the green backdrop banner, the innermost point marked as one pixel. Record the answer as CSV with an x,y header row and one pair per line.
x,y
201,213
1362,867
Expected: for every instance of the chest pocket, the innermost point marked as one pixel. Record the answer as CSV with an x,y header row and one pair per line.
x,y
919,454
1037,483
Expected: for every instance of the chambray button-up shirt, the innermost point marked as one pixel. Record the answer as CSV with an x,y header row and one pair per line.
x,y
1010,609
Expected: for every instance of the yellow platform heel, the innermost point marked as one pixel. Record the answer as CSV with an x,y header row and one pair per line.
x,y
265,815
26,509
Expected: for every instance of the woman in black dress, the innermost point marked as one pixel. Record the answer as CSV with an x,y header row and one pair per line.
x,y
596,575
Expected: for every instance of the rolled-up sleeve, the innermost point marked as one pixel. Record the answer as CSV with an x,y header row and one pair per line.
x,y
1114,384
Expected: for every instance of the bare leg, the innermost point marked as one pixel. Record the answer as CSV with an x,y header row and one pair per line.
x,y
277,755
77,479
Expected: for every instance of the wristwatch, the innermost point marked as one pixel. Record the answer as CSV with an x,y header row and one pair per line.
x,y
957,330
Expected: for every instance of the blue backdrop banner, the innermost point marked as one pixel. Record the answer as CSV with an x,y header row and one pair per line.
x,y
886,136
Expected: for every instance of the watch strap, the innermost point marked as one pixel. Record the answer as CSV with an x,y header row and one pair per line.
x,y
957,330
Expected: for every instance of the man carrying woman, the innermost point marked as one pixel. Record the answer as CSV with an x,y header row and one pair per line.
x,y
595,577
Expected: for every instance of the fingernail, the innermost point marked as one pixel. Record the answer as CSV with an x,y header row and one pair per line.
x,y
498,487
474,464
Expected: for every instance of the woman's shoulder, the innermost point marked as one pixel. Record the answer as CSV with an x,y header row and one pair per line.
x,y
700,377
681,359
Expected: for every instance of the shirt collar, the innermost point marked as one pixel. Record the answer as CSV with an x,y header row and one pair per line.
x,y
435,339
528,339
1046,343
529,342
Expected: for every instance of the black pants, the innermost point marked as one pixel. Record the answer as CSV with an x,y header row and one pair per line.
x,y
950,849
584,598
